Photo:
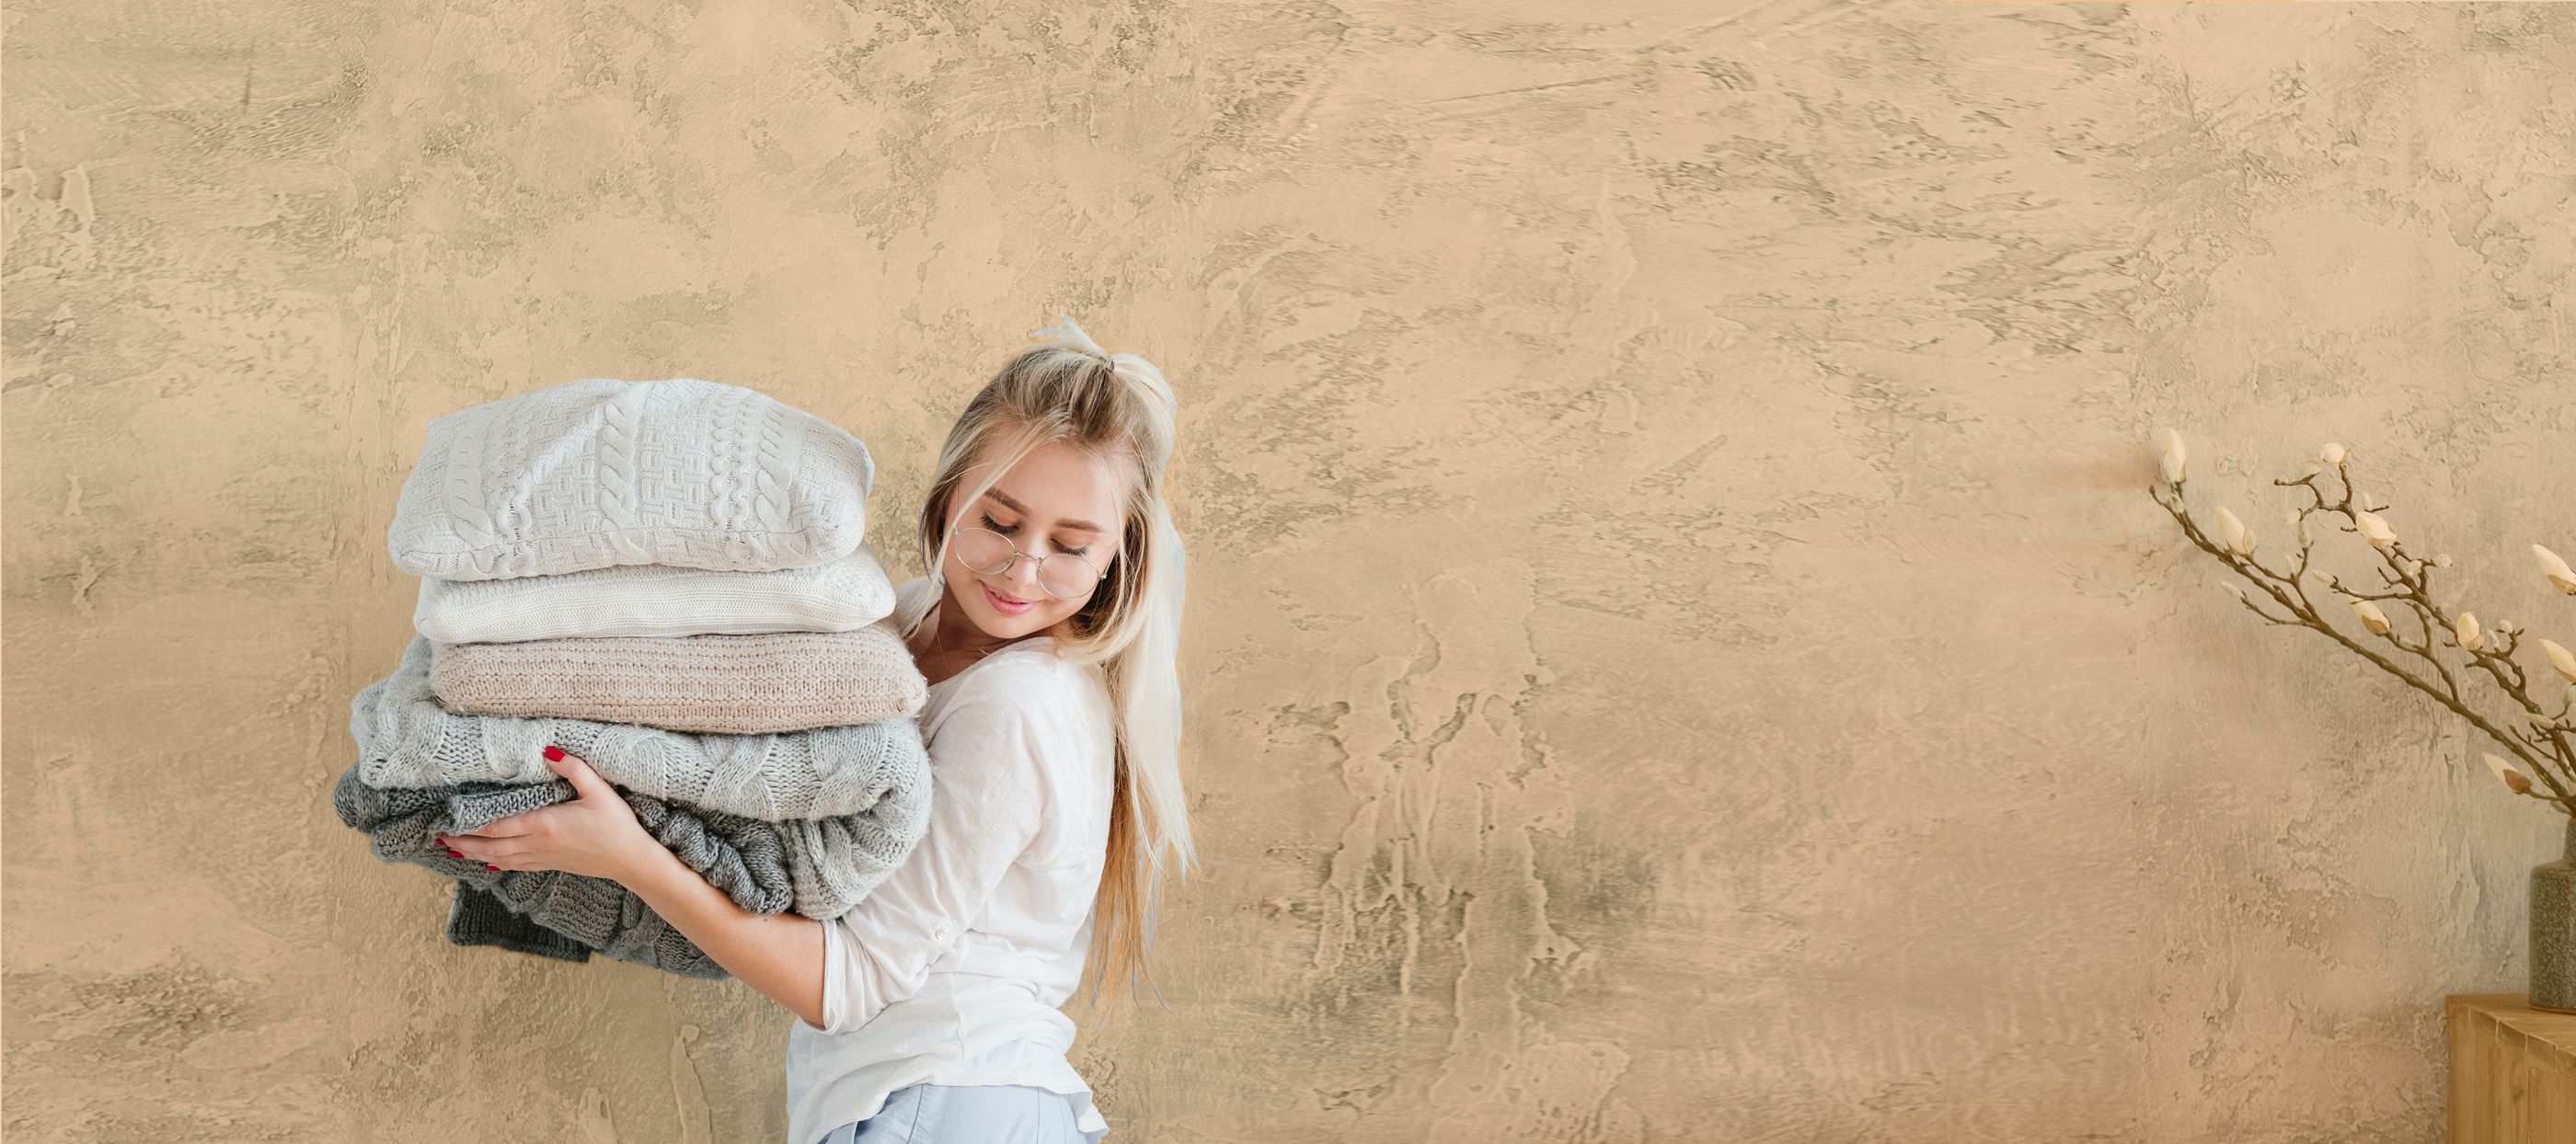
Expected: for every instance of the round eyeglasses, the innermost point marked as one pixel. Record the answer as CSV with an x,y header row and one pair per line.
x,y
989,553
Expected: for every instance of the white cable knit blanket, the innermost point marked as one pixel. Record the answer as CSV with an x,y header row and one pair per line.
x,y
601,472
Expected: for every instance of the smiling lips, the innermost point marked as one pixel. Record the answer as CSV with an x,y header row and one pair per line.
x,y
1005,603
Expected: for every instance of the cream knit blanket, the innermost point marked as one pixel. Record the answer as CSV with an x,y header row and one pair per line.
x,y
718,684
657,600
406,739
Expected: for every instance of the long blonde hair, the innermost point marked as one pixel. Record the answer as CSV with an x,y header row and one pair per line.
x,y
1117,410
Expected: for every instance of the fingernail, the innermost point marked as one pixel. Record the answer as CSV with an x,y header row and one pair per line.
x,y
554,754
454,854
489,866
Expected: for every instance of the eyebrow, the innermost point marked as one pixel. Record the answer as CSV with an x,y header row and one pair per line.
x,y
1023,510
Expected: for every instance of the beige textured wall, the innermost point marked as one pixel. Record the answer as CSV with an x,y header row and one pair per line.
x,y
1679,649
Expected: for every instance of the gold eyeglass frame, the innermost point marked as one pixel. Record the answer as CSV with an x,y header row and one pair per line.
x,y
1017,555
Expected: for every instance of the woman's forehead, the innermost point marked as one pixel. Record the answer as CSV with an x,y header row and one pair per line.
x,y
1058,483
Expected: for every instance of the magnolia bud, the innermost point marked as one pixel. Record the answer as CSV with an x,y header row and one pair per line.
x,y
2237,591
2466,627
2240,539
2173,465
2560,658
2514,779
2556,569
2375,530
2371,617
2441,560
2332,454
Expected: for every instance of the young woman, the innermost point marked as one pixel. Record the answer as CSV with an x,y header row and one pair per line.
x,y
1048,629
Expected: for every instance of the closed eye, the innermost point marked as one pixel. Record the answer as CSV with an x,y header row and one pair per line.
x,y
1007,530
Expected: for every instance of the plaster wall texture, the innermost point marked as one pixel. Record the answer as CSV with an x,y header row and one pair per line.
x,y
1679,646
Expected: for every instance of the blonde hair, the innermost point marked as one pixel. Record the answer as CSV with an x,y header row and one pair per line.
x,y
1117,410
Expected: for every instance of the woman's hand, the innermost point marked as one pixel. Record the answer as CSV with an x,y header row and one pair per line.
x,y
595,833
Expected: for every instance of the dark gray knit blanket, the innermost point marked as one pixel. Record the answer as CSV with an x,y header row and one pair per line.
x,y
819,867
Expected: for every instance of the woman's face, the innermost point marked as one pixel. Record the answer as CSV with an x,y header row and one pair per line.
x,y
1052,501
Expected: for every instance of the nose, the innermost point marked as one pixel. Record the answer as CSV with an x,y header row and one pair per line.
x,y
1024,578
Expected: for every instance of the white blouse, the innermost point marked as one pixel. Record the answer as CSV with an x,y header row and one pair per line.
x,y
952,969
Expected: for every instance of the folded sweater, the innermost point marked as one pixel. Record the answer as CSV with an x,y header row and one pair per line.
x,y
819,868
719,684
407,740
657,600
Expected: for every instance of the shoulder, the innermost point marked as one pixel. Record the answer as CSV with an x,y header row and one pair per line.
x,y
1027,708
1034,685
1028,720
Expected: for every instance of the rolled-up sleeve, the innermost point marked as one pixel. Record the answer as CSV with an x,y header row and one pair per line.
x,y
987,800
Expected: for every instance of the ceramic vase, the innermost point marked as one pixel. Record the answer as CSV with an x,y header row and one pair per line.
x,y
2553,930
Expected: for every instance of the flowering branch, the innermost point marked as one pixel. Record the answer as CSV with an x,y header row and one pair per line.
x,y
2544,743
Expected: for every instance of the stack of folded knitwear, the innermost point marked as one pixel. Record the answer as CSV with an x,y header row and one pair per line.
x,y
670,581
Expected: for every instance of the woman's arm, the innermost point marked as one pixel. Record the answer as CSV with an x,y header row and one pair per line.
x,y
596,834
779,954
986,806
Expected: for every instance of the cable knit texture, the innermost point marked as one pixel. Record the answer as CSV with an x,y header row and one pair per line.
x,y
406,739
657,600
722,684
601,472
819,868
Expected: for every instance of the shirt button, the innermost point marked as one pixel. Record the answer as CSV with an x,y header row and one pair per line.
x,y
941,932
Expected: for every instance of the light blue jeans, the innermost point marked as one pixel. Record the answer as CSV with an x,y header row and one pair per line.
x,y
966,1114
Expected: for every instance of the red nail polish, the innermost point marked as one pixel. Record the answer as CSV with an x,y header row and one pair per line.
x,y
489,866
454,854
554,754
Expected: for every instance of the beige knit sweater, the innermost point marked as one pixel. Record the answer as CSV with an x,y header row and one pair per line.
x,y
757,684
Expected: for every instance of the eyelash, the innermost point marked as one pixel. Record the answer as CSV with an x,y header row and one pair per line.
x,y
1085,550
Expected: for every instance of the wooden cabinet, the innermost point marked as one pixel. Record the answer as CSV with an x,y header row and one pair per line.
x,y
2513,1071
